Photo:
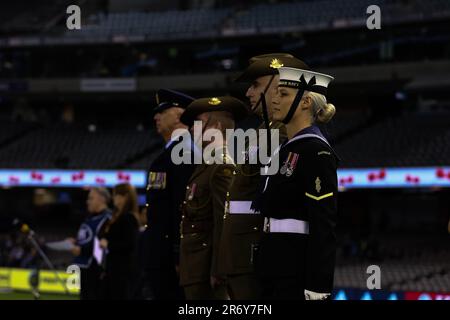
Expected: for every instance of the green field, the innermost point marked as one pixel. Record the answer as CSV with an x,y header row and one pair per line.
x,y
29,296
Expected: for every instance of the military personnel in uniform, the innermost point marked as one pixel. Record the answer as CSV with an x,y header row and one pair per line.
x,y
297,252
203,207
165,192
242,226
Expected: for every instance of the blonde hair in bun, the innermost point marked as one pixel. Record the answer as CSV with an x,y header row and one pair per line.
x,y
322,111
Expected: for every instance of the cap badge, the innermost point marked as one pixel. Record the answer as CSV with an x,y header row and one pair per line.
x,y
276,64
214,101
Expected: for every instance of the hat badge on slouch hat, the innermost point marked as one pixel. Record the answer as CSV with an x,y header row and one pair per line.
x,y
214,101
267,65
276,64
234,106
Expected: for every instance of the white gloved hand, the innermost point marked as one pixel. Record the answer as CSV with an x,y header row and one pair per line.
x,y
311,295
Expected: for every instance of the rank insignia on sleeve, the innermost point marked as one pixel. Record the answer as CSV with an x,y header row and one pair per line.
x,y
289,165
318,187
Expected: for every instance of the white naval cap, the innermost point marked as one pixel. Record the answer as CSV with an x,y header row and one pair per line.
x,y
312,81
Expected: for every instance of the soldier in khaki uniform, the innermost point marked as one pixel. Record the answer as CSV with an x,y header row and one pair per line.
x,y
203,207
242,226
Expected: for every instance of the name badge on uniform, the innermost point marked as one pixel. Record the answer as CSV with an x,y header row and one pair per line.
x,y
156,180
192,192
289,165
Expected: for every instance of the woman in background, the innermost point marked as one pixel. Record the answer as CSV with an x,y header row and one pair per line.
x,y
119,238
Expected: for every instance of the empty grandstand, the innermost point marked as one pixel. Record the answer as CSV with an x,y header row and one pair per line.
x,y
83,100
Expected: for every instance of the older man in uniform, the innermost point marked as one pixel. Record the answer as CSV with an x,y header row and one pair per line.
x,y
165,192
203,207
242,226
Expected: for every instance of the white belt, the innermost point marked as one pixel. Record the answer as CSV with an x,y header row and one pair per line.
x,y
241,207
272,225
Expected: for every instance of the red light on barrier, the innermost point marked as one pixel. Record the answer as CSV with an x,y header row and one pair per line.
x,y
55,180
426,296
123,177
78,176
13,179
412,179
99,180
440,173
36,176
346,180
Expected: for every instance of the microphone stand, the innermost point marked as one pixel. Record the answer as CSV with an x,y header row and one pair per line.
x,y
31,237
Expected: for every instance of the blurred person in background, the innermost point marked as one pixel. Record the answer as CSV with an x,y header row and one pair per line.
x,y
99,213
139,280
119,239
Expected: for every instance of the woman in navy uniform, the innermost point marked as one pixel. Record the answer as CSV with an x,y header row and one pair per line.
x,y
297,253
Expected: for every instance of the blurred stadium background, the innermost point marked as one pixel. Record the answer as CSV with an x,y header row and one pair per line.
x,y
75,110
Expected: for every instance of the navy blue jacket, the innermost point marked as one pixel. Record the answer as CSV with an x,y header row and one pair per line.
x,y
88,230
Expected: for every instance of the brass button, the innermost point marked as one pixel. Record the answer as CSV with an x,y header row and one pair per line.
x,y
187,187
167,236
184,202
255,228
204,244
193,226
146,205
